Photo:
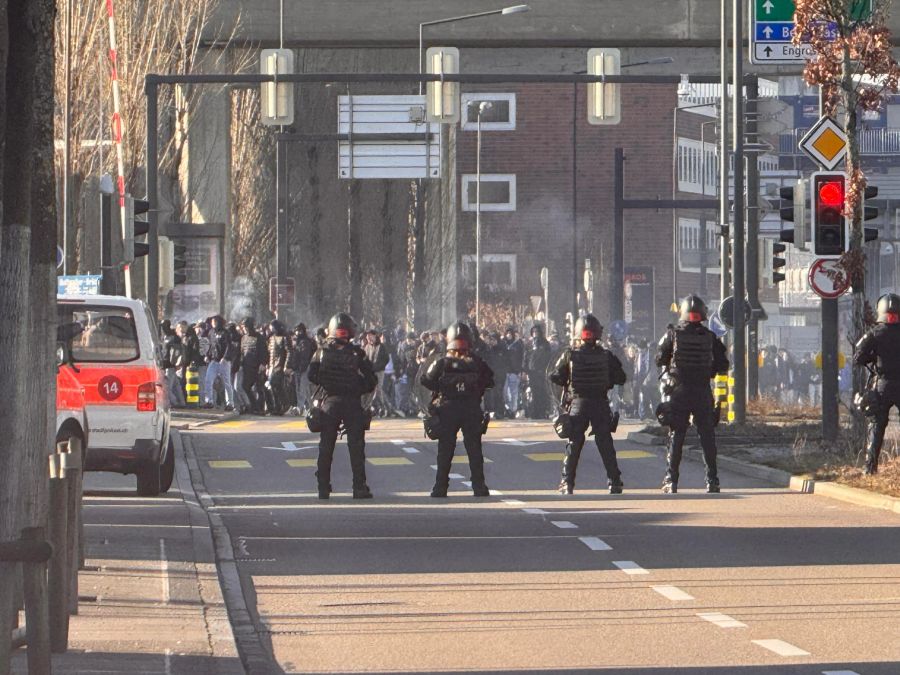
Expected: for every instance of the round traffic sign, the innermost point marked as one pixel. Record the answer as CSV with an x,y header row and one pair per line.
x,y
59,256
726,311
618,329
827,279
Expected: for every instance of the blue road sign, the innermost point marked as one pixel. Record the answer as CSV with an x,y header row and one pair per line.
x,y
618,329
82,284
716,326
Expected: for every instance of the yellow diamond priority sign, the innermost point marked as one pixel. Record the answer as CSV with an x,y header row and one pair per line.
x,y
825,143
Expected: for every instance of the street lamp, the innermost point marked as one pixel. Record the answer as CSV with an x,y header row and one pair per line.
x,y
513,9
483,106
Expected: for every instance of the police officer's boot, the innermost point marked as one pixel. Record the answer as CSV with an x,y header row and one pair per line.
x,y
616,485
569,467
362,492
712,485
874,449
324,486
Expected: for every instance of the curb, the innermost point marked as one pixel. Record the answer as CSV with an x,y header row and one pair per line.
x,y
253,654
856,496
190,422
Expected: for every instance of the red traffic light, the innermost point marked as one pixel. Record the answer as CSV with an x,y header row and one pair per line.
x,y
831,193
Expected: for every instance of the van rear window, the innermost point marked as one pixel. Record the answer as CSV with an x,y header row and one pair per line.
x,y
109,333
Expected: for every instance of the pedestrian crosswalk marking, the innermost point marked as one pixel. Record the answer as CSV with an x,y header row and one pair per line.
x,y
230,464
564,524
630,567
388,461
464,459
673,593
781,647
535,512
545,456
725,621
633,454
411,451
301,463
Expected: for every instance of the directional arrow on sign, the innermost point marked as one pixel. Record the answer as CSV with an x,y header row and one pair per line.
x,y
767,31
768,51
768,6
290,446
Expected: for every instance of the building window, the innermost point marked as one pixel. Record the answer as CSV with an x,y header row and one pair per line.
x,y
498,272
692,250
697,167
498,192
501,116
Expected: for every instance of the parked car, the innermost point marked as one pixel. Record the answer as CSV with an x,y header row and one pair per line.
x,y
71,412
118,363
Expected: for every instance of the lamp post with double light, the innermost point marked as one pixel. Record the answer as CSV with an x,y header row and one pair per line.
x,y
483,107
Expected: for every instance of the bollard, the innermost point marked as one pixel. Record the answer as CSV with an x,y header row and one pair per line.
x,y
75,526
721,394
731,398
192,387
58,574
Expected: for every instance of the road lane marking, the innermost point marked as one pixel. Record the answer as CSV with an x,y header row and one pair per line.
x,y
459,459
564,524
535,512
293,425
721,620
781,647
839,672
595,543
302,463
513,441
164,568
630,567
467,483
496,493
168,662
232,425
388,461
397,441
672,593
513,502
410,451
545,456
290,446
455,476
229,464
634,454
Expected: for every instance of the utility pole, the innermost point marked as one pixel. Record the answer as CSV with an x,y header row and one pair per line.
x,y
752,268
830,370
724,173
740,338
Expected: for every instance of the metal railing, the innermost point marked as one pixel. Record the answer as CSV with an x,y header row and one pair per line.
x,y
871,141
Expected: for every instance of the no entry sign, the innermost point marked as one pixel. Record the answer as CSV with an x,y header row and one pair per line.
x,y
822,275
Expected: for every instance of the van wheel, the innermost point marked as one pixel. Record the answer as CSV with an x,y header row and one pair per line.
x,y
167,470
148,480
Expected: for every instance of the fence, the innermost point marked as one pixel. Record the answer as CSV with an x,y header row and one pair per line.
x,y
48,560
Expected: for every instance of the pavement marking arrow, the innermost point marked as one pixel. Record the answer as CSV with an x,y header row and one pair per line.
x,y
290,446
595,543
768,6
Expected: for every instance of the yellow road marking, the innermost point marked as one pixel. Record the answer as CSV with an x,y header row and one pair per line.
x,y
233,424
300,463
634,454
545,456
292,425
464,459
388,461
230,464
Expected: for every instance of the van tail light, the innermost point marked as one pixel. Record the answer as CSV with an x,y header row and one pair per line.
x,y
146,398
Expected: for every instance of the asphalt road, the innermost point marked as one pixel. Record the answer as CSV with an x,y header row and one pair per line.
x,y
755,580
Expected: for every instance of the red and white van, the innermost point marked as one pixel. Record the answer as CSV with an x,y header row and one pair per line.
x,y
117,363
71,416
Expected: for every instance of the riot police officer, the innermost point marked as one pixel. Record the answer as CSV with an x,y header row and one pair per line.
x,y
692,355
344,375
589,372
458,381
880,347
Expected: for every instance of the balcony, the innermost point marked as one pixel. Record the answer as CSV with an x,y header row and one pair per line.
x,y
871,142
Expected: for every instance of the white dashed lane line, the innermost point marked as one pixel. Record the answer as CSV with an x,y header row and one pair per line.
x,y
672,593
630,567
839,672
513,502
410,451
456,476
721,620
595,543
398,442
781,647
564,524
535,512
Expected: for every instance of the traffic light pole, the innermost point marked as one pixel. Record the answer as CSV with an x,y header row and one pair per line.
x,y
740,338
752,252
151,265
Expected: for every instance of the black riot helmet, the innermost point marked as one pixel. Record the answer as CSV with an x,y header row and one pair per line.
x,y
459,337
342,327
889,308
588,328
249,324
537,330
693,309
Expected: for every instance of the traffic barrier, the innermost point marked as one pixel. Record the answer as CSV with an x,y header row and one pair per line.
x,y
192,386
730,398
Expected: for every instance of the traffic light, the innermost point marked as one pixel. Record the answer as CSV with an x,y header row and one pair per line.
x,y
870,213
442,98
604,100
778,262
134,228
793,210
829,225
179,263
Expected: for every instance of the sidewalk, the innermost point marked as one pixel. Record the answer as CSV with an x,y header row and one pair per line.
x,y
150,600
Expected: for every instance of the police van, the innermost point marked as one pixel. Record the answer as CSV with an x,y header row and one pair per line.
x,y
117,359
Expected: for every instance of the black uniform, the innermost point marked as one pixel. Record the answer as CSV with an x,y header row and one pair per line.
x,y
344,374
880,347
537,358
458,383
253,355
589,372
693,355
